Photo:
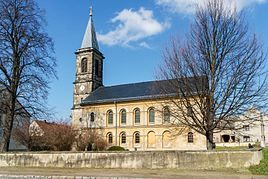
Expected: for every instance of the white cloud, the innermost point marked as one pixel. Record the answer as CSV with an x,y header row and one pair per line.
x,y
188,6
145,45
132,26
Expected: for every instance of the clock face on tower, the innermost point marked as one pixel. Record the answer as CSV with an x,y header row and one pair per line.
x,y
82,88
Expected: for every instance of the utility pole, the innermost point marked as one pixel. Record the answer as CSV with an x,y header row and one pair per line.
x,y
262,131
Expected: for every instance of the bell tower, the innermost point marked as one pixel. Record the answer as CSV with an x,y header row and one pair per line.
x,y
89,66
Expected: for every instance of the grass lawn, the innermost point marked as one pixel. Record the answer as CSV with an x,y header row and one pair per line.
x,y
262,168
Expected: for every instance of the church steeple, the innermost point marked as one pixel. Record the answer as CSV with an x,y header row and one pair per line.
x,y
89,65
90,39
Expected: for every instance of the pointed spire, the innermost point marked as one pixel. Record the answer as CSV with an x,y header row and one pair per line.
x,y
90,39
91,13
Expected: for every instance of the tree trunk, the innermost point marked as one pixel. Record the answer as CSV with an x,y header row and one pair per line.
x,y
8,124
209,137
5,141
7,129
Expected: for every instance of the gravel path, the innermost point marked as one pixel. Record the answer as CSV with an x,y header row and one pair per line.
x,y
64,173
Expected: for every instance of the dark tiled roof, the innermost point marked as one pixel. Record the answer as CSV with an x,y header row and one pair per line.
x,y
137,91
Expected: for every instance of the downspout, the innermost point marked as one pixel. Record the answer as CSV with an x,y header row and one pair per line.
x,y
115,122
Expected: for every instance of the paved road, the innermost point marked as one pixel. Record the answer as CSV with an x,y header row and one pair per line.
x,y
54,173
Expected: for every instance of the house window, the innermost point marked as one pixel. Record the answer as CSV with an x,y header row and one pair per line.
x,y
151,115
110,138
189,111
123,138
246,127
137,138
246,138
166,114
190,137
137,116
110,117
123,116
84,65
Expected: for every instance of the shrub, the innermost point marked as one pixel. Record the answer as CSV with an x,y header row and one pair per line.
x,y
116,148
262,168
257,144
90,140
101,144
55,137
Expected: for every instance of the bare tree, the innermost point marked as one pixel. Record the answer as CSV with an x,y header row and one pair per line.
x,y
26,61
217,73
21,134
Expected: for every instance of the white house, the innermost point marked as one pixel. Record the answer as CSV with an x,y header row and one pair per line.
x,y
254,130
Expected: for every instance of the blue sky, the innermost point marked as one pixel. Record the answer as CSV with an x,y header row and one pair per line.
x,y
132,35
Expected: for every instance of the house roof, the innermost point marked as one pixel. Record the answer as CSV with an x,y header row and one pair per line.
x,y
142,91
44,125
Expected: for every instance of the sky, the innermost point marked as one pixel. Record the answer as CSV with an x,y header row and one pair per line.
x,y
132,35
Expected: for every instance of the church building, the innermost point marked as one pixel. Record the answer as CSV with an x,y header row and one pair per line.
x,y
130,115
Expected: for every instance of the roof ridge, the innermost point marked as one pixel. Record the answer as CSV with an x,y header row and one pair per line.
x,y
134,83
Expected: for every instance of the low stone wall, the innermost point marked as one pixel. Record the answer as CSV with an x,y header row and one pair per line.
x,y
148,159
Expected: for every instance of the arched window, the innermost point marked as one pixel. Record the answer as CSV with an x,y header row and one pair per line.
x,y
110,138
123,116
92,117
84,65
166,139
151,115
166,114
123,138
137,115
137,138
151,139
190,137
110,117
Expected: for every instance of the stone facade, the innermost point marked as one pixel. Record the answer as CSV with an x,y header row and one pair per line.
x,y
159,135
88,77
91,78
